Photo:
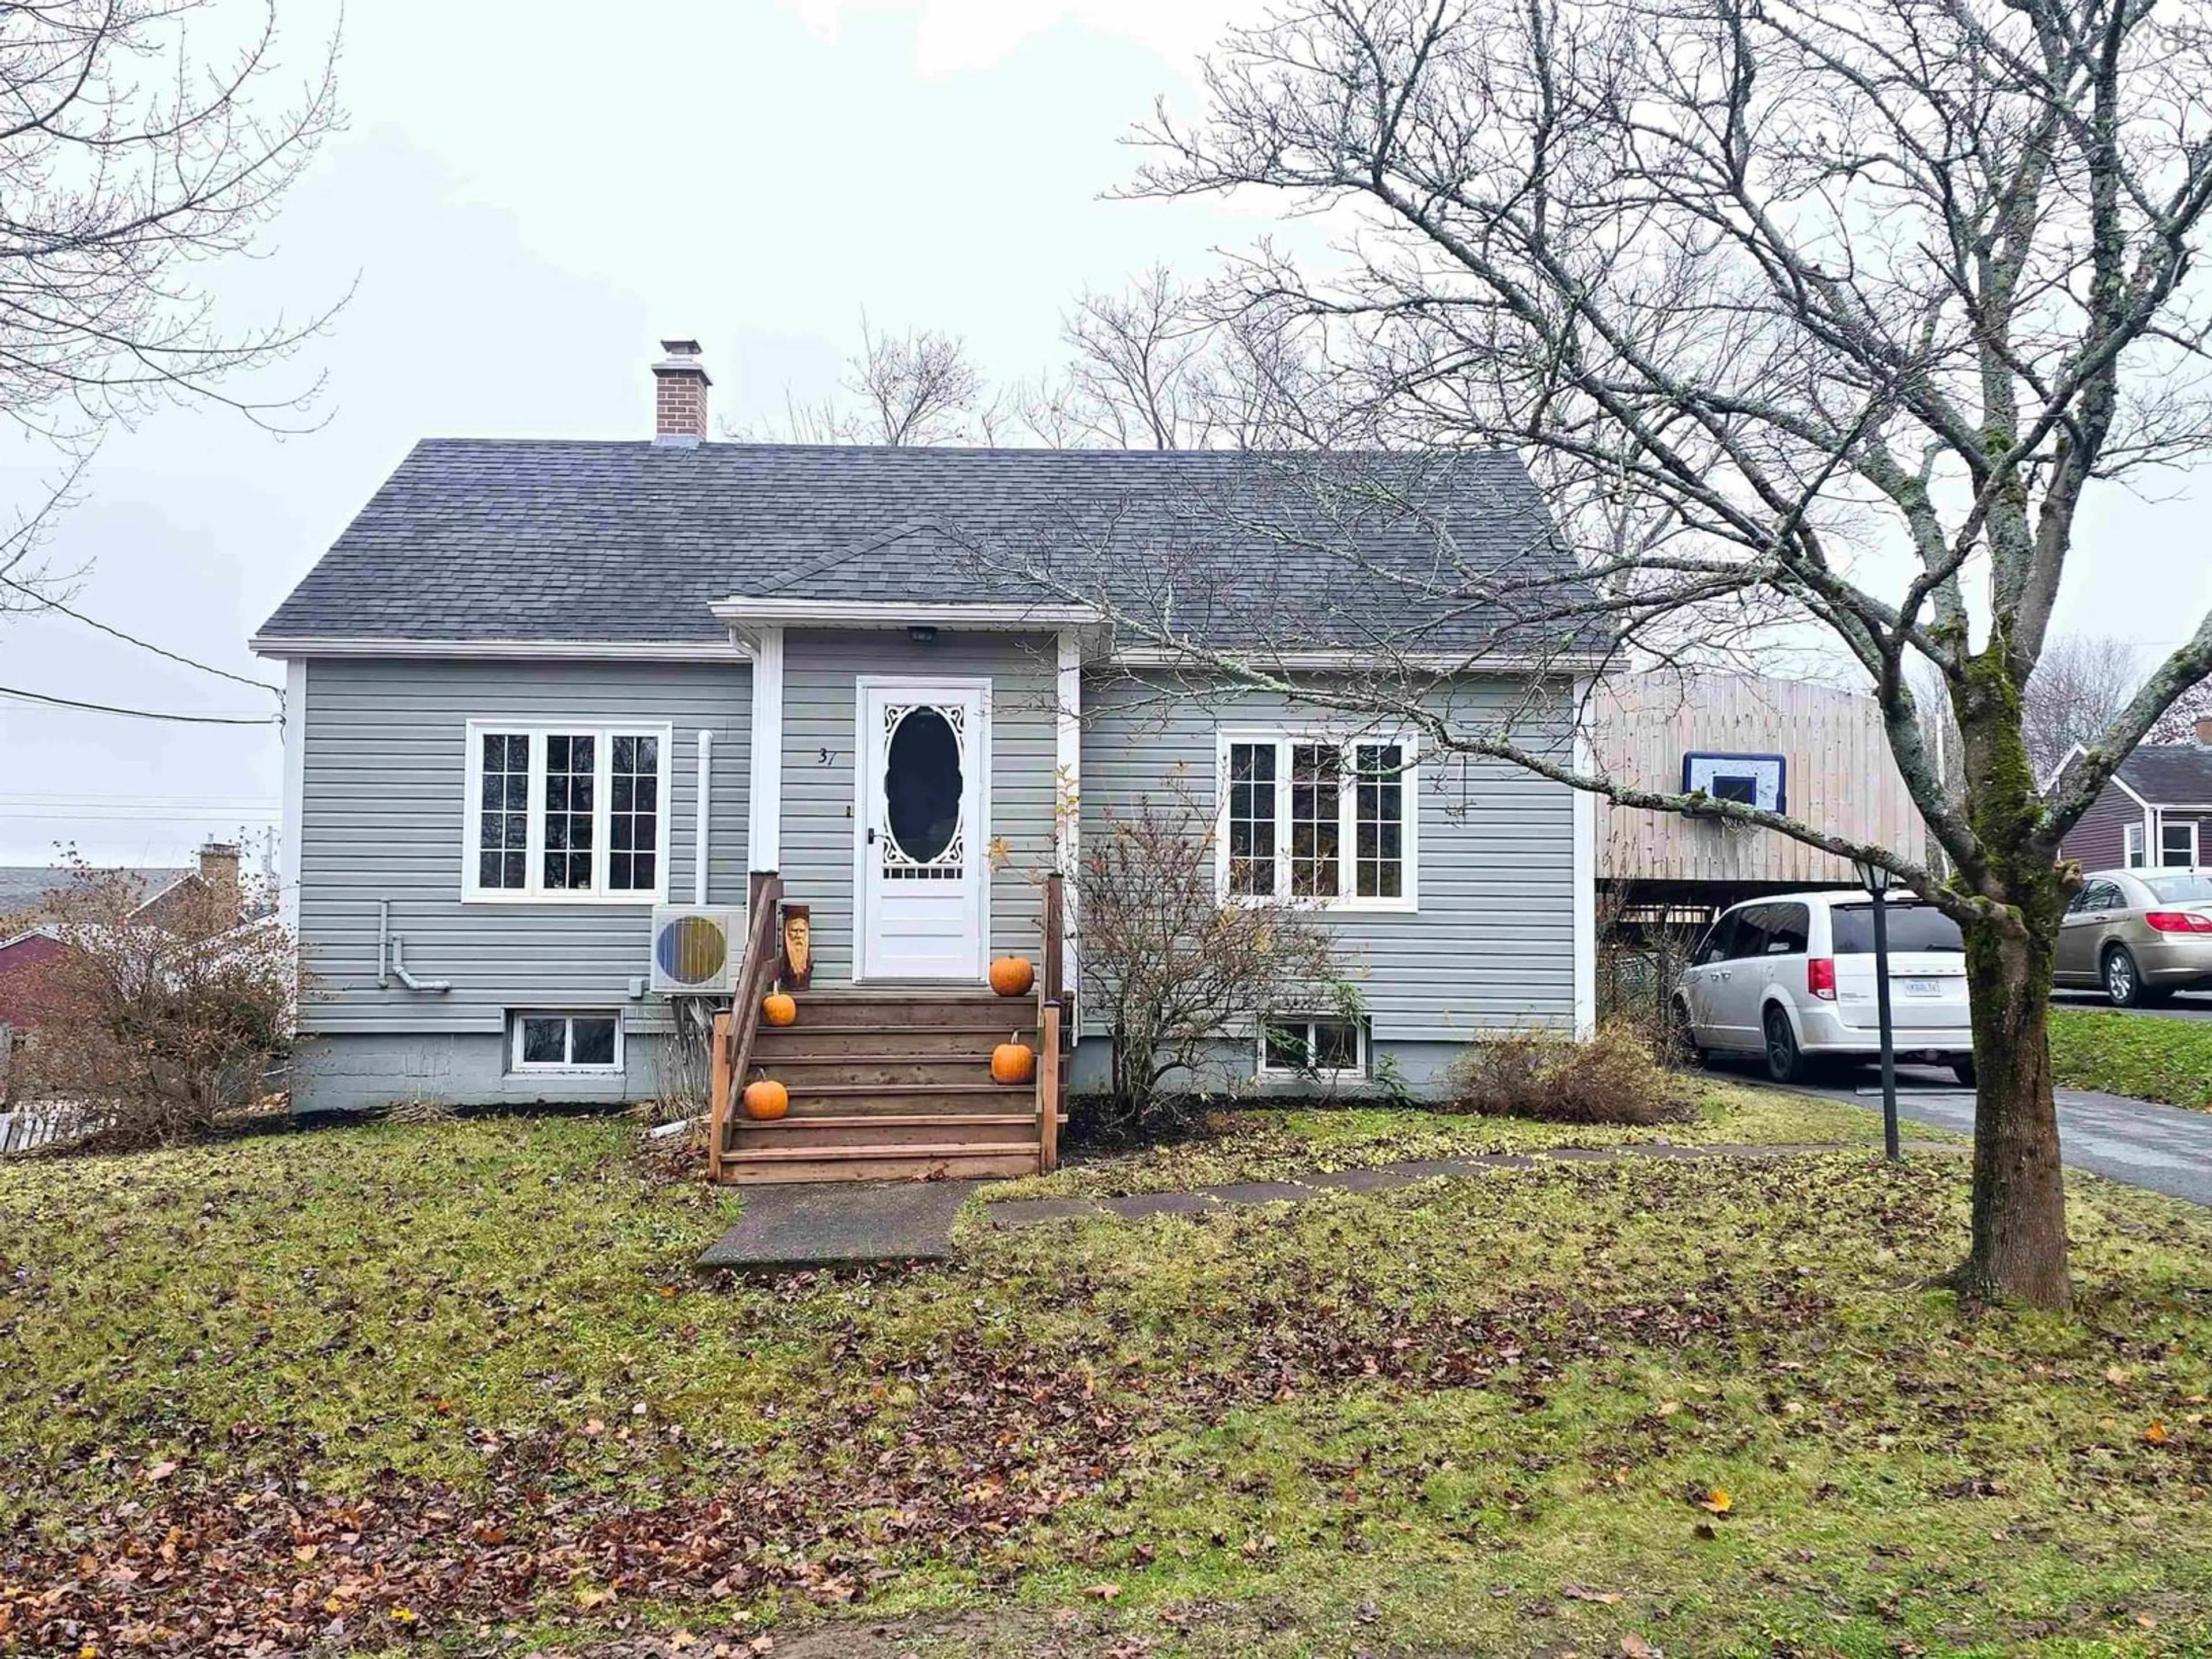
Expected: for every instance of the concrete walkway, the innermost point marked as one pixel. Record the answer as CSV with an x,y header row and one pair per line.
x,y
839,1223
848,1224
2168,1149
1027,1212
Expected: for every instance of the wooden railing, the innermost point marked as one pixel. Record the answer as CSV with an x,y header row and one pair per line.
x,y
735,1030
1052,1014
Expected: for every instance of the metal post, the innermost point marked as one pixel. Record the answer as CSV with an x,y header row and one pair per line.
x,y
1888,1042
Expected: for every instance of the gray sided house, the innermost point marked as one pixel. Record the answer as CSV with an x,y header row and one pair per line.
x,y
547,697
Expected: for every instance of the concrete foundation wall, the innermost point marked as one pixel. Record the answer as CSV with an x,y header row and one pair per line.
x,y
364,1072
1420,1068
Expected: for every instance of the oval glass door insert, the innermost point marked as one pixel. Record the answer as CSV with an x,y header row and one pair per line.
x,y
922,787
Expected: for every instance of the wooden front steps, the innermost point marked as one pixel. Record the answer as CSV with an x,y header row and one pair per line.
x,y
891,1083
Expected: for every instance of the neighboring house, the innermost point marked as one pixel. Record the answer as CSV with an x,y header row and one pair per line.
x,y
538,689
28,938
2156,810
1814,751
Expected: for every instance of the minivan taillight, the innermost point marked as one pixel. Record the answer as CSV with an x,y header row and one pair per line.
x,y
2178,922
1821,977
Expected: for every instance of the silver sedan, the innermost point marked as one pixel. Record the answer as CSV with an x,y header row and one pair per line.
x,y
2140,934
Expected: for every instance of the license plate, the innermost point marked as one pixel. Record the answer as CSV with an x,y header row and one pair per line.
x,y
1923,988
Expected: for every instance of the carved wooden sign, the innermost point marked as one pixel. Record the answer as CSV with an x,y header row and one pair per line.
x,y
798,948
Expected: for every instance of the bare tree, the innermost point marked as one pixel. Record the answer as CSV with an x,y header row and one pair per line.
x,y
1138,373
2080,686
1795,294
130,158
912,390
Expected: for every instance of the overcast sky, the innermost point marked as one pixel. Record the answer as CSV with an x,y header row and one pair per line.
x,y
528,206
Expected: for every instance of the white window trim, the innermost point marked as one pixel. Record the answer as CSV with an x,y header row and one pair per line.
x,y
2166,827
1357,1073
534,891
516,1063
1409,898
2131,846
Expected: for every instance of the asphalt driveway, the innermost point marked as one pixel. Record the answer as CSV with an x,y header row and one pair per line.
x,y
2188,1005
2168,1149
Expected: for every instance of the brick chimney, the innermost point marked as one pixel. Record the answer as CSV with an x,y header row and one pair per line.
x,y
2204,730
219,870
219,863
679,395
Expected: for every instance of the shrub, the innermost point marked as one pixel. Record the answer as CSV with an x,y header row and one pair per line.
x,y
1614,1078
154,1018
1171,970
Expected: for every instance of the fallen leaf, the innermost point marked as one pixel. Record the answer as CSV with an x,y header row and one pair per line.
x,y
2156,1432
159,1472
1577,1593
1635,1647
306,1552
2116,1373
1103,1592
1716,1502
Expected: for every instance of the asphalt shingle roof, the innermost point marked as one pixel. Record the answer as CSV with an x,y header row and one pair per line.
x,y
493,539
2169,773
24,887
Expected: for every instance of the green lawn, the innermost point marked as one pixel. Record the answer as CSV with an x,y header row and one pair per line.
x,y
2141,1055
1260,1144
427,1389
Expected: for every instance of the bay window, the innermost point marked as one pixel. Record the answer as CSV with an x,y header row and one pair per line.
x,y
572,812
1316,816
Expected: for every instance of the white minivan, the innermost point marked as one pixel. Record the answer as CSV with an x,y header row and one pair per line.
x,y
1790,978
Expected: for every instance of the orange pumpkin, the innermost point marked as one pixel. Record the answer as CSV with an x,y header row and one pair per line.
x,y
1014,1062
778,1008
1011,976
766,1100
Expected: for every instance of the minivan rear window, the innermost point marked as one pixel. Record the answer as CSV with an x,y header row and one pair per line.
x,y
1911,928
2178,890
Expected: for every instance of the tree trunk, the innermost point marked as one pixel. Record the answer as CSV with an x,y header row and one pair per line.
x,y
2018,1233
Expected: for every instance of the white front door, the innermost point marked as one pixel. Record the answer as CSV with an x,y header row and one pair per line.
x,y
920,828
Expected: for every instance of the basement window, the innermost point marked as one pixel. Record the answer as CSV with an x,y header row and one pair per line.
x,y
1314,1048
561,1042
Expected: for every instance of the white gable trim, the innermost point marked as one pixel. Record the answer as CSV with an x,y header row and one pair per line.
x,y
739,612
305,646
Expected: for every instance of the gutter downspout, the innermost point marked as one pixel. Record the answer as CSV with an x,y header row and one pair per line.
x,y
699,818
392,959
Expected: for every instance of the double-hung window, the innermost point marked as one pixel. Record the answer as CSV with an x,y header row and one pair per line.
x,y
2132,834
1316,817
573,812
2177,843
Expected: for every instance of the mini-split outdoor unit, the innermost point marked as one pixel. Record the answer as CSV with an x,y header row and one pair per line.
x,y
695,949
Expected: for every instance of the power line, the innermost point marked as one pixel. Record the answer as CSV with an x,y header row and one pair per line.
x,y
45,603
148,713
